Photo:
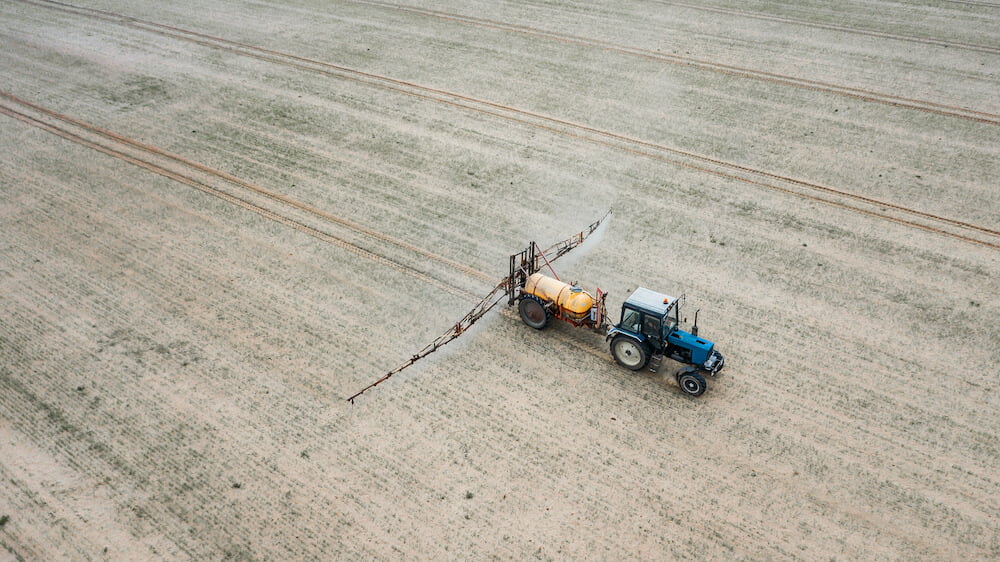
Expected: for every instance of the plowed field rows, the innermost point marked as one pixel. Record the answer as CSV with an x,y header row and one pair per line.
x,y
221,220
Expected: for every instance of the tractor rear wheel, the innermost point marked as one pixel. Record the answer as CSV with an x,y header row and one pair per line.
x,y
533,313
629,353
691,382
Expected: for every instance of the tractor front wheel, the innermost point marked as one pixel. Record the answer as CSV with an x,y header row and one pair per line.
x,y
629,353
691,382
533,313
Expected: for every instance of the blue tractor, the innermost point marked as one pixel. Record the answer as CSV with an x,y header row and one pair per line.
x,y
649,330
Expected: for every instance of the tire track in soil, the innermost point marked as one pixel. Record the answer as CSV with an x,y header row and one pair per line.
x,y
581,346
125,144
112,301
846,29
455,288
973,3
731,70
853,202
123,259
122,265
236,181
744,530
330,217
266,419
48,127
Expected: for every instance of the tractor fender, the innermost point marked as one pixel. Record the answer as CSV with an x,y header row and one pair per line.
x,y
615,330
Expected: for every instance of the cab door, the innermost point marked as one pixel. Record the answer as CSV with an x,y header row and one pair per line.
x,y
652,328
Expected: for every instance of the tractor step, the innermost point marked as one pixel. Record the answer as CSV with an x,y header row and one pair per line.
x,y
654,362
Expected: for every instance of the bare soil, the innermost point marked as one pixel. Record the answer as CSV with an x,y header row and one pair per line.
x,y
221,220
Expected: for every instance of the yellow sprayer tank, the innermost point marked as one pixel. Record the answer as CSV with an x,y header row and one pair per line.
x,y
572,301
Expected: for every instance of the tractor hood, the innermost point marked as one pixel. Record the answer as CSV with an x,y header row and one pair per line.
x,y
700,348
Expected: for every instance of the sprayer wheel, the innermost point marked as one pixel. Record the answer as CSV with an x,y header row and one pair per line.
x,y
533,312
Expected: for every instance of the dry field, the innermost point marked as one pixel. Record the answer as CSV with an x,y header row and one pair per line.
x,y
220,219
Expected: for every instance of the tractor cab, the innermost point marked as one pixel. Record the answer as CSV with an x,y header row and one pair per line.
x,y
650,328
646,316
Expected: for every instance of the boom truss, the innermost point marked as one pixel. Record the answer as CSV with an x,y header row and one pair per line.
x,y
522,265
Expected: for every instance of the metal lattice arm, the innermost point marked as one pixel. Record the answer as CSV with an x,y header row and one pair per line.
x,y
522,265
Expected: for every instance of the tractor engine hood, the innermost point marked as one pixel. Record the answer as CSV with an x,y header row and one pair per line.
x,y
700,348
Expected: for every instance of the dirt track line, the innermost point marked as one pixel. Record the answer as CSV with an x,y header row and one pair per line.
x,y
230,198
732,70
973,3
236,200
255,188
621,142
563,337
846,29
815,85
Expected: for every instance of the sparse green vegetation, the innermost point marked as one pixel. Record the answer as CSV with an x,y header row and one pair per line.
x,y
191,285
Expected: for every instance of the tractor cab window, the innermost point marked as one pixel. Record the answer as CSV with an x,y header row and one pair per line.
x,y
651,326
630,320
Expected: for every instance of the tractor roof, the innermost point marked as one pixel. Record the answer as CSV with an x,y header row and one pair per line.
x,y
650,301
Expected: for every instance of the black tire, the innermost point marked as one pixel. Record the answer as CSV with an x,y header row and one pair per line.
x,y
629,353
691,382
533,313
